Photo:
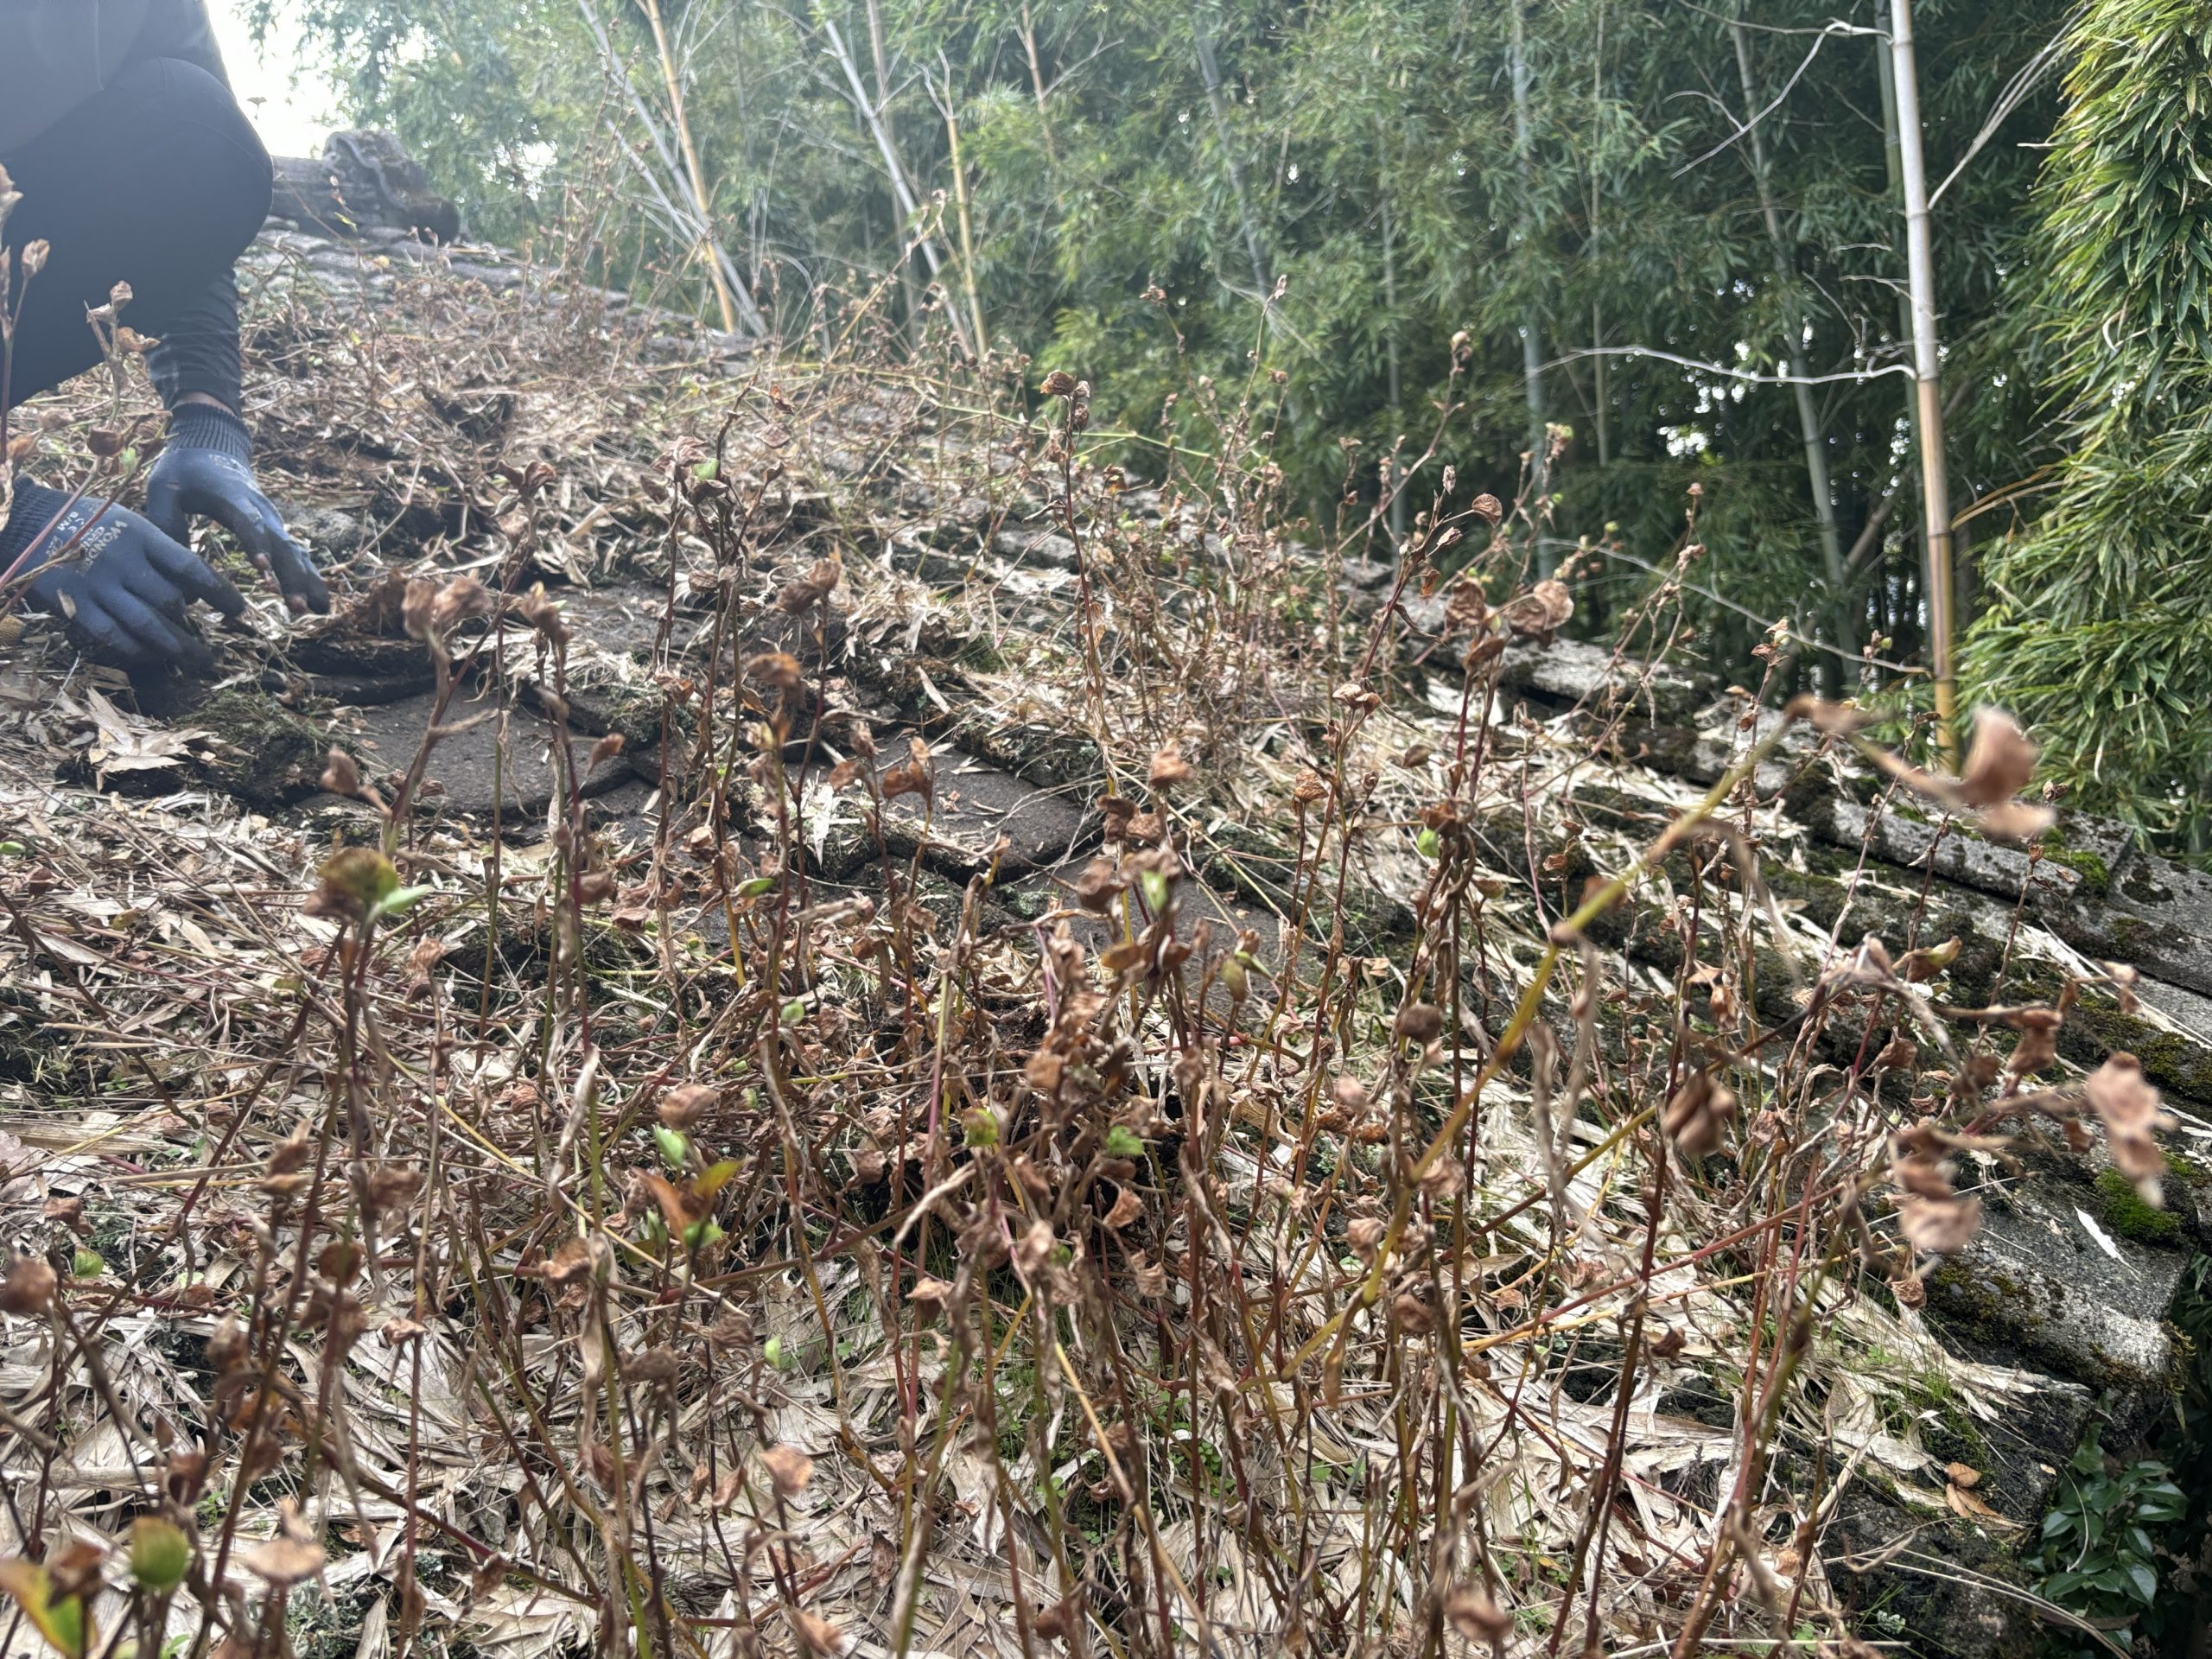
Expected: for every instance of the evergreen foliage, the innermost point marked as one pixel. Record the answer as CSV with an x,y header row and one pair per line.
x,y
2099,628
1143,177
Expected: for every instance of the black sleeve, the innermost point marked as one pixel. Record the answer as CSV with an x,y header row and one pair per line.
x,y
200,350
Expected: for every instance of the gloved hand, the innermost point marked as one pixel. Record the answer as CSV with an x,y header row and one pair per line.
x,y
124,586
207,468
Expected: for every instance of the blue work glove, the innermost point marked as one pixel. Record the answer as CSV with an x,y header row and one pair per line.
x,y
123,586
207,468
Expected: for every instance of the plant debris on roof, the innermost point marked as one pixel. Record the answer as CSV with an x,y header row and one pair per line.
x,y
833,1014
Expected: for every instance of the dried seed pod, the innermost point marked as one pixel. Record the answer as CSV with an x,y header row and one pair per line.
x,y
1476,1617
1169,768
682,1106
803,592
1420,1022
788,1468
778,670
2128,1107
29,1286
1411,1315
1099,884
1938,1226
1541,611
1696,1116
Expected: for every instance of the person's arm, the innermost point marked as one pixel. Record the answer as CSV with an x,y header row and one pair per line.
x,y
207,465
198,358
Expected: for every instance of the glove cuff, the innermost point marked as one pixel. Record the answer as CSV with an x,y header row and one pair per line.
x,y
203,426
33,509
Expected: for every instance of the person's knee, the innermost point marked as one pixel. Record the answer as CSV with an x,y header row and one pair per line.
x,y
209,152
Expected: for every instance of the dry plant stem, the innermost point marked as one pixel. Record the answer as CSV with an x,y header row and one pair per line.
x,y
1601,1505
1517,1029
1759,1434
1096,681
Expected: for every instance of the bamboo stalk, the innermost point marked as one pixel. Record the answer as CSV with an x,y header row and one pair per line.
x,y
1532,348
1808,419
691,165
1935,482
908,287
901,190
1210,72
681,219
1037,84
1597,201
967,226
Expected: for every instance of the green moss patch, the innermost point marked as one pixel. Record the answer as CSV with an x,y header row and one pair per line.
x,y
2122,1209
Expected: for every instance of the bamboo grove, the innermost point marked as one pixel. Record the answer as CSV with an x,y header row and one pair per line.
x,y
1666,233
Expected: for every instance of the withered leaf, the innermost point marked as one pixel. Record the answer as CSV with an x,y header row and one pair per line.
x,y
1476,1617
1938,1226
2128,1107
788,1468
283,1561
1964,1503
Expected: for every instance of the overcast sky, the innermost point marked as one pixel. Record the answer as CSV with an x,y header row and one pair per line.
x,y
292,112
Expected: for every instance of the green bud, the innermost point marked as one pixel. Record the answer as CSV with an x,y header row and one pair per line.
x,y
1122,1143
355,881
675,1146
400,900
1234,980
794,1010
701,1234
160,1553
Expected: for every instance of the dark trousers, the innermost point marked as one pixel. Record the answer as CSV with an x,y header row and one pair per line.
x,y
156,180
